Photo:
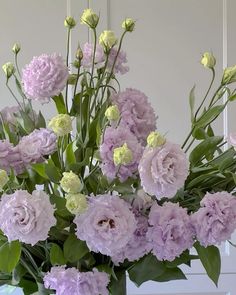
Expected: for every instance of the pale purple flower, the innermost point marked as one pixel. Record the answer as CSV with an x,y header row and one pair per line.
x,y
44,77
72,282
136,111
138,245
5,148
25,217
107,225
142,201
15,161
216,220
170,231
114,138
37,144
87,60
163,170
121,60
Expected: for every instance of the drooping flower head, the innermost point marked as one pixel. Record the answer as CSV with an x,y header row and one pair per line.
x,y
163,170
170,231
45,76
25,217
215,221
72,282
115,138
137,113
107,225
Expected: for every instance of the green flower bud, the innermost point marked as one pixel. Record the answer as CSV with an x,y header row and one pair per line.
x,y
79,54
70,183
128,24
112,113
69,22
16,48
3,179
122,155
76,203
61,124
107,40
229,75
208,60
8,69
155,139
89,18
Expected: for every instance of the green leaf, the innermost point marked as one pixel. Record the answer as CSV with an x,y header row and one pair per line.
x,y
9,256
28,287
29,125
147,268
232,97
41,121
56,255
171,274
210,258
52,172
60,104
192,102
205,148
118,286
106,268
74,249
209,116
40,169
70,155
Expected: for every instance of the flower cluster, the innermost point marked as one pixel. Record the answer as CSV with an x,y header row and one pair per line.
x,y
70,281
25,217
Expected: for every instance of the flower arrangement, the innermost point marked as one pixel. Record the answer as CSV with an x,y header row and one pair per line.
x,y
98,192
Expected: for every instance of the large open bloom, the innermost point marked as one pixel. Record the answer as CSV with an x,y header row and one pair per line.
x,y
107,225
163,170
45,76
216,220
170,231
25,217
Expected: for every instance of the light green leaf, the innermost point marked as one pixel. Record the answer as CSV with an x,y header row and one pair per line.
x,y
40,169
210,258
52,171
60,104
56,255
9,256
70,155
209,116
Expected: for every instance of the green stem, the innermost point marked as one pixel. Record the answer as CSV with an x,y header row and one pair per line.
x,y
17,67
205,97
212,100
14,95
67,64
94,55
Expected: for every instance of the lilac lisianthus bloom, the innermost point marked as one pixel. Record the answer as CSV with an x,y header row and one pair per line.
x,y
15,161
163,170
170,230
25,217
45,76
72,282
107,225
114,138
216,220
136,112
138,245
37,144
121,60
87,60
5,148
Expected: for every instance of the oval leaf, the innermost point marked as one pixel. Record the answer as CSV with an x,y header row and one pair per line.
x,y
9,256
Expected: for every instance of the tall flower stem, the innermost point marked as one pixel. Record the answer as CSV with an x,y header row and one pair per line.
x,y
67,64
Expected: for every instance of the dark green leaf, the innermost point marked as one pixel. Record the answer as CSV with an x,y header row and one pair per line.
x,y
9,256
70,155
205,148
40,121
56,255
118,286
171,274
147,268
74,249
52,171
210,258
